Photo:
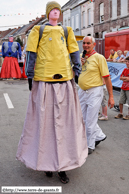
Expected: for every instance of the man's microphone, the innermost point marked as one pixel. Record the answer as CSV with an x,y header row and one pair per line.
x,y
83,54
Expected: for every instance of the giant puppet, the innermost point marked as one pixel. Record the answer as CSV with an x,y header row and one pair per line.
x,y
10,52
53,137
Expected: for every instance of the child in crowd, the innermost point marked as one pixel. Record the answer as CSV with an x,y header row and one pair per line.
x,y
21,60
124,95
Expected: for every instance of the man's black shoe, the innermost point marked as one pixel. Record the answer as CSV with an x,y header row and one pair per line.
x,y
90,151
98,142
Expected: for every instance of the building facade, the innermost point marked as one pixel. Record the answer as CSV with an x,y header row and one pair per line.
x,y
79,14
87,19
76,20
109,16
66,17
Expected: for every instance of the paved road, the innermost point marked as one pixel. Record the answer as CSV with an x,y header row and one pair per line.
x,y
106,171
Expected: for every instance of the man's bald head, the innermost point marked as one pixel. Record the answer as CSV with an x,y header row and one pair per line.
x,y
88,44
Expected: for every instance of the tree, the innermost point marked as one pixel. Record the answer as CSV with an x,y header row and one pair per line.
x,y
19,41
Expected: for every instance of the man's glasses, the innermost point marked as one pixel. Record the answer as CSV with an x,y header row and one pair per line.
x,y
86,43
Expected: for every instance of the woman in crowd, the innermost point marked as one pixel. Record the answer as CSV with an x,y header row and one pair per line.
x,y
120,56
125,54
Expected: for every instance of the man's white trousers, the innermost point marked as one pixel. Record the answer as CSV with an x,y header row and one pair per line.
x,y
90,101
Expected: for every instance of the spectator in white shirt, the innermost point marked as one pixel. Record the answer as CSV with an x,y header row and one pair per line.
x,y
21,61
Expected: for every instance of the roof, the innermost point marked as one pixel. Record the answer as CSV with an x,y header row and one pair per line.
x,y
24,29
29,26
68,4
123,28
117,33
43,21
21,30
4,33
10,33
72,4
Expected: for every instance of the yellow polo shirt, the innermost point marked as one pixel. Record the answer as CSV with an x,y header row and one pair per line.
x,y
93,70
52,52
114,56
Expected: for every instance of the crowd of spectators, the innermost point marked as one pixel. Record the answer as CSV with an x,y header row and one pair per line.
x,y
118,56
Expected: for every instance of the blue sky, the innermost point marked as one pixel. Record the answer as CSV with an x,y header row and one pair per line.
x,y
16,12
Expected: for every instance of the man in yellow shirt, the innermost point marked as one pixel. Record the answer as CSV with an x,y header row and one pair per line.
x,y
94,67
53,137
113,55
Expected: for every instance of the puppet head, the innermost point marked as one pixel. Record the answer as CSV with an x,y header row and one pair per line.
x,y
51,5
11,38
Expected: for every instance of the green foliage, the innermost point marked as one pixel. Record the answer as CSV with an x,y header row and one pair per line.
x,y
19,41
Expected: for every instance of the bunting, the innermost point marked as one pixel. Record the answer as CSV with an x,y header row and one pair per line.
x,y
20,14
23,14
90,1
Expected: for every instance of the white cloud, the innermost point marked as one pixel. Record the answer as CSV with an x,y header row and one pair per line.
x,y
8,8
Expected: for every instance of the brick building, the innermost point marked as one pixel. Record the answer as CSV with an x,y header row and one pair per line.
x,y
109,16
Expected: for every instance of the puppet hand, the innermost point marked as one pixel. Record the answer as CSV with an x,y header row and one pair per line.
x,y
30,83
76,79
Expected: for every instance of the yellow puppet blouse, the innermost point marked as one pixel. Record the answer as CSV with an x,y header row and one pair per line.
x,y
52,53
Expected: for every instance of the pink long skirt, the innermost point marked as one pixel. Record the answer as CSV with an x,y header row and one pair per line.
x,y
10,68
54,135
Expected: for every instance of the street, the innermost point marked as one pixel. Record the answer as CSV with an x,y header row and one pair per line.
x,y
106,170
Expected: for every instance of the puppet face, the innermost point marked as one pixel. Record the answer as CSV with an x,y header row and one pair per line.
x,y
10,39
54,14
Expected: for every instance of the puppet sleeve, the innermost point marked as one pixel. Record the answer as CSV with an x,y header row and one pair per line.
x,y
74,52
31,51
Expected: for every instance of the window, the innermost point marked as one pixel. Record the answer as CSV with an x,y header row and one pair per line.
x,y
89,16
77,21
101,12
69,22
124,7
103,34
65,22
114,9
83,19
73,22
96,35
114,29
